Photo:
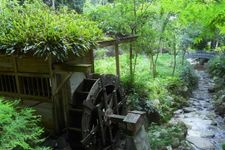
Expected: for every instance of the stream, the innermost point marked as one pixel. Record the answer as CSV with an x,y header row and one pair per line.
x,y
206,130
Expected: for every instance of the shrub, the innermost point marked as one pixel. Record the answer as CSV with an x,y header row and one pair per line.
x,y
216,66
167,135
189,77
18,128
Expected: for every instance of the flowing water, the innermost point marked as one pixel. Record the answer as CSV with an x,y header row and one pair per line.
x,y
206,130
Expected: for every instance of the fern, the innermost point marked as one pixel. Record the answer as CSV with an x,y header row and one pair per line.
x,y
18,127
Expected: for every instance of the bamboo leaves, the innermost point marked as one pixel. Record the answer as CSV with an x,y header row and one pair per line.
x,y
34,28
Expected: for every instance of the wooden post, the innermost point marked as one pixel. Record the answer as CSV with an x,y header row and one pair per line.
x,y
117,59
16,76
54,99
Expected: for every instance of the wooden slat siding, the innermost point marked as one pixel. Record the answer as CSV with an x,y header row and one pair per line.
x,y
37,82
34,89
1,83
14,84
6,63
26,74
9,83
28,86
45,86
16,75
32,65
34,75
37,86
23,96
2,80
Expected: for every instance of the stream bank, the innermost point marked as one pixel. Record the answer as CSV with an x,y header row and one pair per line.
x,y
206,130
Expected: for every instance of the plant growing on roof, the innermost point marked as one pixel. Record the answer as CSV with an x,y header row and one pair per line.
x,y
35,28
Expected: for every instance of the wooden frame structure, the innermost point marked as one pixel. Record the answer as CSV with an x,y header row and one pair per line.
x,y
115,43
48,85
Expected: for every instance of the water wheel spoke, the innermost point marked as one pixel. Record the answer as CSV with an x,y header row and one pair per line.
x,y
96,99
101,125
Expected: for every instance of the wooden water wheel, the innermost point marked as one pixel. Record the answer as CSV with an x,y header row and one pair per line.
x,y
94,100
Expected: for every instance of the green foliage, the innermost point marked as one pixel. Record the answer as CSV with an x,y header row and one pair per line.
x,y
121,17
34,28
18,127
189,77
167,135
216,66
165,93
208,16
223,146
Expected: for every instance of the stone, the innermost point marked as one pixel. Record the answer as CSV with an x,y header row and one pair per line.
x,y
188,109
138,142
169,148
200,98
201,143
179,111
211,90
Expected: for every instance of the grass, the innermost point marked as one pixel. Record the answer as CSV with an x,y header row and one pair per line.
x,y
107,65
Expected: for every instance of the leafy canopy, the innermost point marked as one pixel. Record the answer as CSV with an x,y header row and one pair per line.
x,y
35,28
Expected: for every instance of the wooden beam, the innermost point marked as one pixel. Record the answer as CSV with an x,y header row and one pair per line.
x,y
62,83
86,68
120,40
117,60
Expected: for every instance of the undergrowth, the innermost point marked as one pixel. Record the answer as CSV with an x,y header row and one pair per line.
x,y
168,136
161,95
19,128
216,67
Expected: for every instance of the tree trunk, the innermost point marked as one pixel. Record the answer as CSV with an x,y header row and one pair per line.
x,y
174,56
131,61
53,4
135,62
153,66
183,55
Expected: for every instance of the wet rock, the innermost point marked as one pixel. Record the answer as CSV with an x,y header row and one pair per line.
x,y
169,148
220,108
211,90
188,109
201,143
179,111
200,98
